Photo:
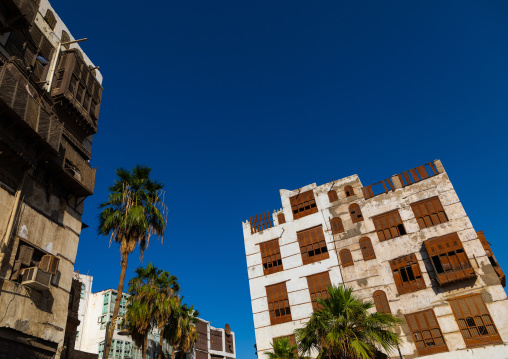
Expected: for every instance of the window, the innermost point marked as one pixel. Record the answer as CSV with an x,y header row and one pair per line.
x,y
389,225
332,196
407,274
50,19
349,191
318,287
105,303
312,245
229,344
381,302
65,38
475,322
429,212
356,213
281,218
303,204
270,254
278,303
202,336
367,249
216,340
346,258
83,291
291,337
448,258
337,226
103,320
426,332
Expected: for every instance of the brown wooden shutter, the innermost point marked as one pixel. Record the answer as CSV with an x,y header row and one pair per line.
x,y
388,225
348,190
427,334
367,249
381,302
281,218
292,339
429,212
356,213
407,264
312,245
337,226
332,196
278,303
318,287
346,258
303,204
270,256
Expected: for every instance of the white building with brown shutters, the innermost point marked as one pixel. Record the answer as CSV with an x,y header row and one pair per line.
x,y
404,243
213,343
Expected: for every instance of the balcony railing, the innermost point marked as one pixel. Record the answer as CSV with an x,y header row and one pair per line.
x,y
405,179
260,222
22,100
19,14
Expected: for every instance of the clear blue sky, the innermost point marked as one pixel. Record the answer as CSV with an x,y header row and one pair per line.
x,y
229,101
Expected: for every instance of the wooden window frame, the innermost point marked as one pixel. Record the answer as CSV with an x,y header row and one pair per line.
x,y
271,259
346,259
367,248
303,204
336,225
318,288
332,196
449,259
356,213
381,302
403,269
429,212
281,218
313,245
473,318
349,191
278,303
426,332
389,225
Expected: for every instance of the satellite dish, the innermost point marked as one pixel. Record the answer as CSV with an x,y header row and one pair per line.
x,y
228,329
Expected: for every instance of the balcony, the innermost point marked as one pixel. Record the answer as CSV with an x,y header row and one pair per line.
x,y
25,107
17,15
77,91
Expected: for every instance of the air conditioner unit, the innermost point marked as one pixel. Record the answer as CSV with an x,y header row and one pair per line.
x,y
36,278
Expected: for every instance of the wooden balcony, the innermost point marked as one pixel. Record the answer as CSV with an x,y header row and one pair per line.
x,y
18,14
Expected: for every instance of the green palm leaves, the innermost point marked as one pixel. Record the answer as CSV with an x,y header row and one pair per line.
x,y
343,328
283,349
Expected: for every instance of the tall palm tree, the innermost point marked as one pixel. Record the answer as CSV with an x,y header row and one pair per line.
x,y
180,331
343,328
133,213
283,349
139,322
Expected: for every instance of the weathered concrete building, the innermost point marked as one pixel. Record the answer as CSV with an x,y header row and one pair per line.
x,y
50,95
404,243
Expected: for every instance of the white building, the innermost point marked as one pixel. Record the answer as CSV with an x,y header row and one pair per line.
x,y
213,343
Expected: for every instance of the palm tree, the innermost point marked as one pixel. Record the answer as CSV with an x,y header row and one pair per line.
x,y
133,212
139,322
343,328
283,349
180,331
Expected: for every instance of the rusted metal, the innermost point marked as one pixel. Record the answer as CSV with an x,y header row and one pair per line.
x,y
260,222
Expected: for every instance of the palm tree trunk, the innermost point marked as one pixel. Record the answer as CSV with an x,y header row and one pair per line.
x,y
160,343
173,352
145,346
125,257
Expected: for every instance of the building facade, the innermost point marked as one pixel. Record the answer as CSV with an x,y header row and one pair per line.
x,y
50,94
405,243
213,343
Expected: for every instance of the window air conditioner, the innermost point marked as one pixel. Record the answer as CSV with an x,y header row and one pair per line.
x,y
36,278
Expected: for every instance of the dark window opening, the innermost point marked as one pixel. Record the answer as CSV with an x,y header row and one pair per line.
x,y
401,228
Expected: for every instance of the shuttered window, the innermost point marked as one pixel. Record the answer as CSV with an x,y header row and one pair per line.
x,y
346,258
356,213
491,257
281,218
427,334
367,249
337,226
389,225
50,19
349,191
318,288
312,245
407,274
429,212
278,303
475,322
303,204
202,335
332,196
270,254
449,259
291,337
381,302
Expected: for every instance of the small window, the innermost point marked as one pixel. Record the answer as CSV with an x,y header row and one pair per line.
x,y
389,225
349,191
278,303
312,245
270,255
281,218
407,274
429,212
65,38
303,204
346,258
337,226
318,288
332,196
381,302
367,249
50,19
427,334
356,213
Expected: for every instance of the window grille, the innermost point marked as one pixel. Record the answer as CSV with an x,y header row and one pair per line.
x,y
407,274
475,322
303,204
332,196
312,245
349,191
318,288
346,258
367,249
426,332
337,226
356,213
429,212
278,303
389,225
381,302
270,255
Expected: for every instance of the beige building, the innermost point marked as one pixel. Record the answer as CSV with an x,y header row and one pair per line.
x,y
404,243
50,95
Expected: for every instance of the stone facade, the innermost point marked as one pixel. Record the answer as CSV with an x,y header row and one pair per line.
x,y
379,239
